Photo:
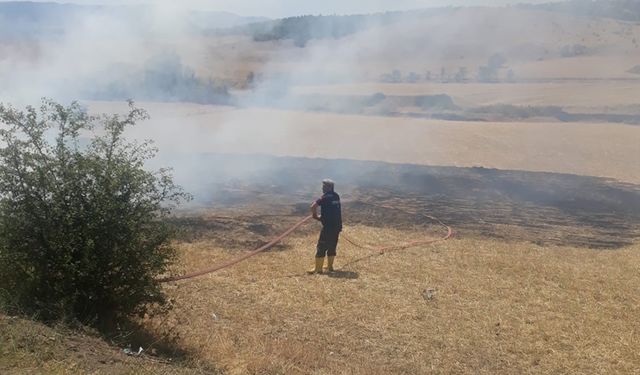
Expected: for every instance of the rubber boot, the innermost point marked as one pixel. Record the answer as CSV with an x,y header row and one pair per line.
x,y
330,263
318,266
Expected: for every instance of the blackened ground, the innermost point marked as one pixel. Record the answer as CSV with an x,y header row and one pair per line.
x,y
260,195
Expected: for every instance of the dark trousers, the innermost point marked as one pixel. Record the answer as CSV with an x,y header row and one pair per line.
x,y
327,242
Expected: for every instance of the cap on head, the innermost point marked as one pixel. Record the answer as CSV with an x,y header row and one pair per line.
x,y
327,184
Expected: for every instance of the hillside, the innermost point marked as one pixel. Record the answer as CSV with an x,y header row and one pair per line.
x,y
22,19
626,10
457,45
450,46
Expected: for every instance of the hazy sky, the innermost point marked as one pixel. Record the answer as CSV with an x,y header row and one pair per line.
x,y
280,8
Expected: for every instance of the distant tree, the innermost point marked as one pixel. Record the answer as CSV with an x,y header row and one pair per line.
x,y
301,39
461,75
634,70
375,99
412,77
496,62
82,234
250,81
490,72
164,78
485,74
396,76
574,50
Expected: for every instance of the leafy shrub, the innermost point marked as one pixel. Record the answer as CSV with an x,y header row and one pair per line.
x,y
82,234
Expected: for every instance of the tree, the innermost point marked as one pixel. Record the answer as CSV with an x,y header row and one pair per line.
x,y
164,78
82,234
396,76
461,76
412,77
490,72
250,81
496,62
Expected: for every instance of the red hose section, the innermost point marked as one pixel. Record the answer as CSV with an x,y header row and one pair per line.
x,y
276,240
240,258
384,249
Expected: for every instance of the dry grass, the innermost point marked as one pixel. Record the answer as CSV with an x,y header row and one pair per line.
x,y
28,347
464,306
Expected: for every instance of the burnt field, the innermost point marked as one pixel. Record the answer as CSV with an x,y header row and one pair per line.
x,y
244,200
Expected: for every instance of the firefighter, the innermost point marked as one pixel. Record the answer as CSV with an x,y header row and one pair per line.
x,y
331,219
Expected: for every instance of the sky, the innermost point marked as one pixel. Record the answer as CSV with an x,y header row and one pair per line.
x,y
284,8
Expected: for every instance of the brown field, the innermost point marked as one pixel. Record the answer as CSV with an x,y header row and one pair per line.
x,y
465,306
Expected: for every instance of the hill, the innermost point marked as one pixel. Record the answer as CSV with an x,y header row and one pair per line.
x,y
626,10
446,45
21,19
301,29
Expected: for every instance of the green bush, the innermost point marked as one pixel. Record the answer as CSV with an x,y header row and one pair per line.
x,y
82,229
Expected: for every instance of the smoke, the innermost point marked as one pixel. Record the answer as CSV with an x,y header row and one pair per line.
x,y
333,87
69,52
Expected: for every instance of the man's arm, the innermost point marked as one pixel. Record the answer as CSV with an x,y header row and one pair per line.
x,y
314,211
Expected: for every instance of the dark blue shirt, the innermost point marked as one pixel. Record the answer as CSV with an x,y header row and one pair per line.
x,y
330,211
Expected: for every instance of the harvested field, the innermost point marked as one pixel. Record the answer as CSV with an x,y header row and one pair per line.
x,y
590,149
541,276
464,306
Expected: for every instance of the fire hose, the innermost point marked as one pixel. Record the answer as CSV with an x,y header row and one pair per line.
x,y
276,240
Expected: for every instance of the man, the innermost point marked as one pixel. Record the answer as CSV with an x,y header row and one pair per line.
x,y
331,219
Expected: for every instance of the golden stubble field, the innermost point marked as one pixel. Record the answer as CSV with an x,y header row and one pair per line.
x,y
592,149
462,306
